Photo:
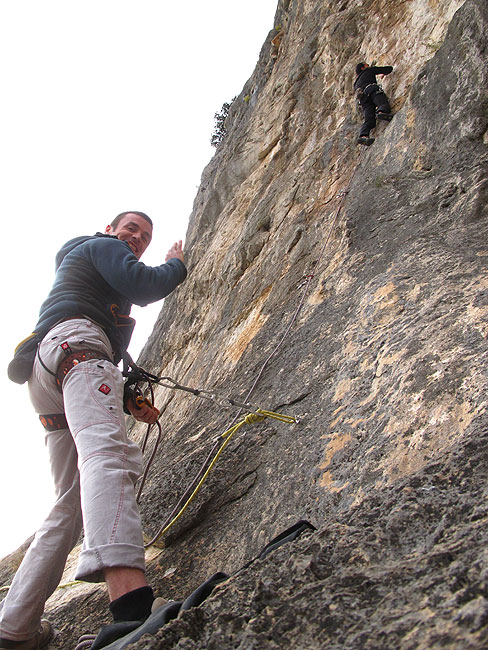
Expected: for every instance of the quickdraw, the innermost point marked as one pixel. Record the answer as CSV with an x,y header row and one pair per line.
x,y
135,374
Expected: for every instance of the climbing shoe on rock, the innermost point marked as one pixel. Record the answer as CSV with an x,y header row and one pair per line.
x,y
384,116
364,139
113,632
41,640
119,635
107,635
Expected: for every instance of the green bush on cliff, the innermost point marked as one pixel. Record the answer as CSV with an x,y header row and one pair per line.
x,y
220,128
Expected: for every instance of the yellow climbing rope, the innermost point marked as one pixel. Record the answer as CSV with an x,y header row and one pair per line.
x,y
63,585
250,418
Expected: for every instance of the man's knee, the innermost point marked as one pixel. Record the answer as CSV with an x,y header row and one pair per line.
x,y
381,102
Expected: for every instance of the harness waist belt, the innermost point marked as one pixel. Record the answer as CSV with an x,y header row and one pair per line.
x,y
371,88
72,360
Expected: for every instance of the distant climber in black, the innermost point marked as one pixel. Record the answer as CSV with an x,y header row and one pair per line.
x,y
371,98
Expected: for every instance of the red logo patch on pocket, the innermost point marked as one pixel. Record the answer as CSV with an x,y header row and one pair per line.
x,y
65,347
104,389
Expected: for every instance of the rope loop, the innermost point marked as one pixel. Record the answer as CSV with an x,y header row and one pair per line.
x,y
251,418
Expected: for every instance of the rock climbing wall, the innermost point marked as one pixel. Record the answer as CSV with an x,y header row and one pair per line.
x,y
346,286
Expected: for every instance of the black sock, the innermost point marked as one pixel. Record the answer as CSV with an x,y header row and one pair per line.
x,y
133,606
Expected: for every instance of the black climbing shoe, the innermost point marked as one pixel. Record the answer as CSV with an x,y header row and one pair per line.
x,y
384,116
364,139
107,635
158,618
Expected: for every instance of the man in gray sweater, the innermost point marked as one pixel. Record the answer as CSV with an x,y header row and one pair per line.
x,y
84,329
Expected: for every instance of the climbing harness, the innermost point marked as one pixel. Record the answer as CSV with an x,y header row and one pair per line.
x,y
57,421
71,360
370,90
54,421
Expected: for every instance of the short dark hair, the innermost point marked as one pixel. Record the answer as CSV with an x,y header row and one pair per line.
x,y
359,67
123,214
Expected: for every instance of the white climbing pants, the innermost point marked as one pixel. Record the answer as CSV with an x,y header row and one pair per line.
x,y
94,466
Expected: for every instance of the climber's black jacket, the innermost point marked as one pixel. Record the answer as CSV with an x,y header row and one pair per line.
x,y
368,76
98,277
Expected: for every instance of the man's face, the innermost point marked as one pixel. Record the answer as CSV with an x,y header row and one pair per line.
x,y
135,230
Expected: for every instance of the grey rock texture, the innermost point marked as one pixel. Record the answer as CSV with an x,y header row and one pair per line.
x,y
364,313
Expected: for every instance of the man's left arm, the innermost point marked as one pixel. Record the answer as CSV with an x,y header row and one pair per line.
x,y
138,283
382,70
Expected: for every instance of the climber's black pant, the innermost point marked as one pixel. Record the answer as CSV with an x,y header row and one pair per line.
x,y
369,105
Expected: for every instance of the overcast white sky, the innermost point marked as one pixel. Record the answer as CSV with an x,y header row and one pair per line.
x,y
106,106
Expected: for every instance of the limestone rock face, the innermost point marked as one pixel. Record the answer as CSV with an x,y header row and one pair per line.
x,y
349,288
